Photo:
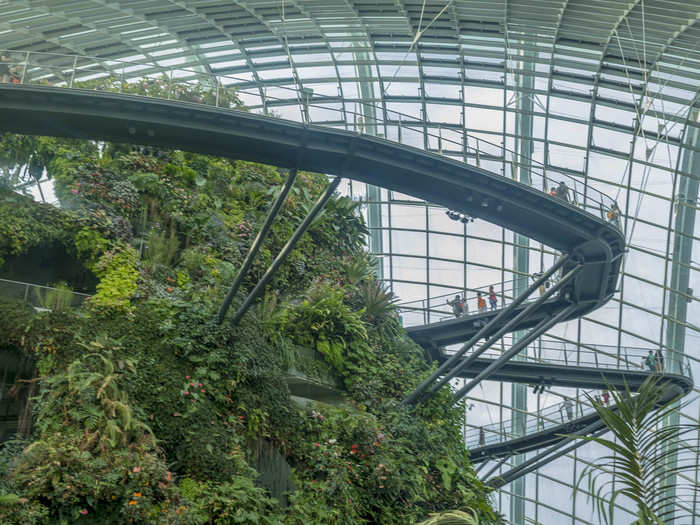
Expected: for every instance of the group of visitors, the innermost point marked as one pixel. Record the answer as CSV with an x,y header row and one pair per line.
x,y
459,305
655,360
8,72
561,191
603,400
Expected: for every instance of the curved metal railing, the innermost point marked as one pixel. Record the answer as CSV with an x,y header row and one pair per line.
x,y
576,408
210,88
41,297
440,305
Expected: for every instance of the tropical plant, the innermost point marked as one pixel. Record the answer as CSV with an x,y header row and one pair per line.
x,y
57,299
452,517
377,301
644,463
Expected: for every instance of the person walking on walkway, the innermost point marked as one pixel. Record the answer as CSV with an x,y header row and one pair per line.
x,y
649,360
606,397
614,215
562,191
536,276
493,300
457,305
480,303
482,437
568,408
659,360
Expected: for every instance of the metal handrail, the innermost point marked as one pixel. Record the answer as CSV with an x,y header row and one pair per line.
x,y
557,414
78,71
29,293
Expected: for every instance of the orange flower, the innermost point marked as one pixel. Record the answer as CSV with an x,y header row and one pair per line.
x,y
132,502
137,494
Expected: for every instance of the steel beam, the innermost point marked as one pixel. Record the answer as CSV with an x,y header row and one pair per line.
x,y
452,361
533,334
327,194
508,327
257,243
543,458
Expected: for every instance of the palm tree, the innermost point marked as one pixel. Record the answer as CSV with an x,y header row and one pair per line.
x,y
644,455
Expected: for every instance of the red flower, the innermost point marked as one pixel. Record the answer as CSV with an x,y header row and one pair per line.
x,y
317,444
355,446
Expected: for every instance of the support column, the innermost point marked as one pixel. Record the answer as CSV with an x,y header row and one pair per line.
x,y
521,266
368,125
686,197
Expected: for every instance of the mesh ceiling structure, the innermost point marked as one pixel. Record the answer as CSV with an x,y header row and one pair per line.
x,y
605,91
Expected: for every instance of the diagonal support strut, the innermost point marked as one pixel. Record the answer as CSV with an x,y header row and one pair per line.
x,y
533,334
257,243
301,229
454,364
547,456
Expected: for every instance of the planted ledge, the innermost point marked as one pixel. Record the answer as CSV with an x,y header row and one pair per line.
x,y
310,378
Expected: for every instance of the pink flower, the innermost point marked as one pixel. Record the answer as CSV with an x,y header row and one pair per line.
x,y
199,385
74,191
187,377
317,444
191,384
175,414
83,512
187,393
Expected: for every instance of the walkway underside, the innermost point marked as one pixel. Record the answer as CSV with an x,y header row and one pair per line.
x,y
570,376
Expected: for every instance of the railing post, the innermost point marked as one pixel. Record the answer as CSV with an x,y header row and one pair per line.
x,y
26,292
217,96
72,76
400,129
121,83
170,84
26,65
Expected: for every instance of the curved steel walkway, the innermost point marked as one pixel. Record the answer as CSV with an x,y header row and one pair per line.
x,y
595,246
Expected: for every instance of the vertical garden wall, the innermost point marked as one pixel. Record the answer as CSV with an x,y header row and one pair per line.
x,y
145,410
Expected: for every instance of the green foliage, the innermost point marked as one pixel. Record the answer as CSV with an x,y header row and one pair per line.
x,y
25,224
452,517
90,245
150,412
118,273
323,321
641,465
235,501
58,298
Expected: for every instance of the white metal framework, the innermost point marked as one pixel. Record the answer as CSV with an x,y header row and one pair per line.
x,y
604,91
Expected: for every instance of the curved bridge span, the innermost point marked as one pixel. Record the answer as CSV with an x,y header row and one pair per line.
x,y
592,248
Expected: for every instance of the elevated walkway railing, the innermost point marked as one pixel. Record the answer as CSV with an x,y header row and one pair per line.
x,y
597,356
566,412
423,310
179,83
41,297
